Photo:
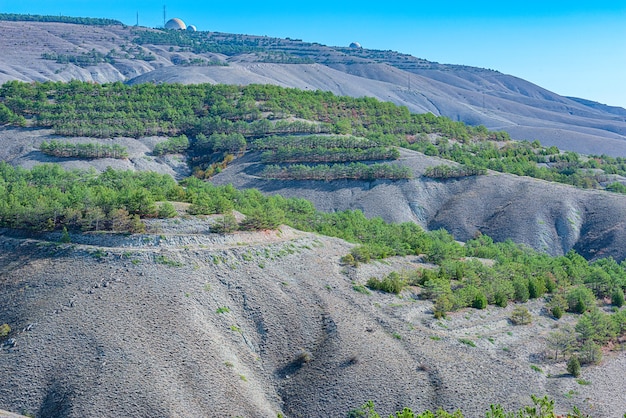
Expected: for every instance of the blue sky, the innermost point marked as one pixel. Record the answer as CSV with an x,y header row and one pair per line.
x,y
571,48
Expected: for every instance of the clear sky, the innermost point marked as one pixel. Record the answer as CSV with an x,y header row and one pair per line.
x,y
569,47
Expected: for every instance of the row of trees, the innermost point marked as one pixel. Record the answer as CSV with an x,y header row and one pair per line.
x,y
446,172
541,408
83,150
313,142
173,145
14,17
354,171
328,155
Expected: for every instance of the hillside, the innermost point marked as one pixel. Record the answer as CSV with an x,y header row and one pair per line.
x,y
160,267
216,118
62,51
255,324
499,205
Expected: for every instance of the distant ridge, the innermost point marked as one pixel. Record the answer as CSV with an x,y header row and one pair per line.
x,y
102,51
13,17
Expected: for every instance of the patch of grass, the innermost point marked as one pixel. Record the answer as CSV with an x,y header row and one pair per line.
x,y
244,378
99,254
261,265
491,340
229,364
583,382
442,325
5,329
570,394
467,342
207,287
247,256
506,349
509,333
222,309
361,289
162,259
235,328
135,261
536,368
397,336
435,338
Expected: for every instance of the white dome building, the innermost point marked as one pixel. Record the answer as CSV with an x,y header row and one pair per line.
x,y
355,45
175,24
191,28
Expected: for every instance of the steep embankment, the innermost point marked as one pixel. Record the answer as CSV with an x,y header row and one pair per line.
x,y
253,324
472,95
550,217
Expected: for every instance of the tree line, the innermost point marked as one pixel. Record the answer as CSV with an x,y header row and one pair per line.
x,y
444,171
91,21
353,171
67,149
326,155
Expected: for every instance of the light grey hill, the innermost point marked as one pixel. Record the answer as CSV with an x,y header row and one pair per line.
x,y
473,95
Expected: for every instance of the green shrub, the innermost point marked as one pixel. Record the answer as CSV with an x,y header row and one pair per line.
x,y
361,254
480,301
580,299
225,225
393,283
167,210
65,236
501,300
573,366
5,329
443,304
557,306
348,260
521,316
557,312
617,297
521,290
590,353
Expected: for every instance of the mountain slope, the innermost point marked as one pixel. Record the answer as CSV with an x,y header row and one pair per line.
x,y
252,324
472,95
